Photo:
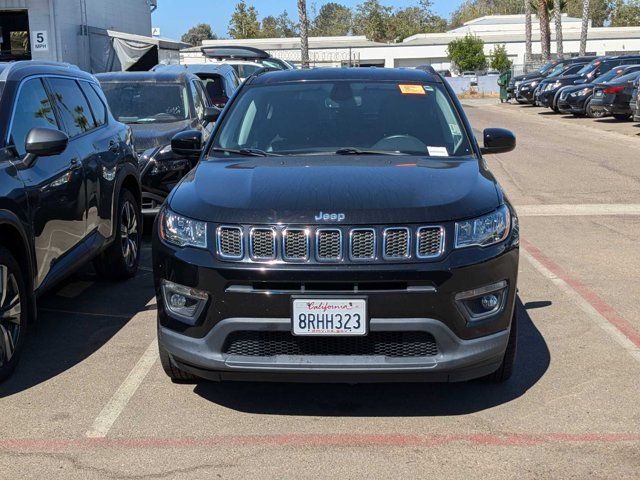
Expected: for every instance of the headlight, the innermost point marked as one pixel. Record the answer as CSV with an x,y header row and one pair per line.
x,y
534,84
182,231
580,93
484,231
555,85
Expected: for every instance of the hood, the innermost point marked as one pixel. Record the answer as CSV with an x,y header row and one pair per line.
x,y
366,189
154,135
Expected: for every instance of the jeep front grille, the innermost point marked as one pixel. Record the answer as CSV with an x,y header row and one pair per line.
x,y
330,245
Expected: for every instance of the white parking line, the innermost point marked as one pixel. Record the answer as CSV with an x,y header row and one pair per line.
x,y
578,210
587,307
112,410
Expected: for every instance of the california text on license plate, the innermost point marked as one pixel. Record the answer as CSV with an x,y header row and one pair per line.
x,y
315,316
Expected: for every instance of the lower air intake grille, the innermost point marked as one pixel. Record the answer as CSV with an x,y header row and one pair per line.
x,y
388,344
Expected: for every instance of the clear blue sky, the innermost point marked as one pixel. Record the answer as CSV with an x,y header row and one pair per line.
x,y
175,17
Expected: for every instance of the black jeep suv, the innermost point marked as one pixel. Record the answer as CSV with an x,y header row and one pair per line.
x,y
340,226
69,190
157,105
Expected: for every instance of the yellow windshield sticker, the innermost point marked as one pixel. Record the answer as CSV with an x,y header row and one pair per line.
x,y
412,90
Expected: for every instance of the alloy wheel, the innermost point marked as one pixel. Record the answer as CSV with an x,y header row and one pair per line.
x,y
129,234
10,315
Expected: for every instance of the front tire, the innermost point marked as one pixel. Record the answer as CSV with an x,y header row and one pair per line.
x,y
14,313
504,372
121,260
173,372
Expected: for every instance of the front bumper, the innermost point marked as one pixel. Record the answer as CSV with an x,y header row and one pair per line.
x,y
575,105
545,99
415,297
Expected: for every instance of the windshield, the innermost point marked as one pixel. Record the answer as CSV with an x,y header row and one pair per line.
x,y
140,102
557,70
327,117
589,67
547,66
610,75
629,77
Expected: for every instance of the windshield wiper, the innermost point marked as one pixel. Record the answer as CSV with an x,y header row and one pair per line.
x,y
248,152
357,151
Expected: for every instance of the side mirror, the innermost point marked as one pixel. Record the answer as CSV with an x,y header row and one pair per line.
x,y
44,142
211,114
187,144
498,140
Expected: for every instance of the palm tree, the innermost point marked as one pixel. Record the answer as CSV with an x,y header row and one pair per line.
x,y
557,14
585,27
527,30
304,32
545,33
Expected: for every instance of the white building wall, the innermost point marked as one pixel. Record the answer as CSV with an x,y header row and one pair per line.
x,y
64,26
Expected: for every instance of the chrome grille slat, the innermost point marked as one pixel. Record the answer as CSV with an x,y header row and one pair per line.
x,y
362,244
263,243
230,244
329,244
430,242
397,243
296,244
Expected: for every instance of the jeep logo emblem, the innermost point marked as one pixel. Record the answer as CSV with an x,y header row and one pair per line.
x,y
330,217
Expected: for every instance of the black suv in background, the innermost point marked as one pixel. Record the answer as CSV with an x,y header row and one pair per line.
x,y
341,225
158,105
69,190
220,80
541,73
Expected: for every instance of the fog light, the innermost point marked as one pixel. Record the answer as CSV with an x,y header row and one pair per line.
x,y
489,302
183,303
483,302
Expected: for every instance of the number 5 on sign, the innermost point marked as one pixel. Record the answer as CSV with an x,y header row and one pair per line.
x,y
40,41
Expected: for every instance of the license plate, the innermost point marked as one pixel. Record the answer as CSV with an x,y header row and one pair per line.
x,y
319,316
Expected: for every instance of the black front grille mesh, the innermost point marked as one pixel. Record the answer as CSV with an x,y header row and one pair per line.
x,y
296,244
388,344
396,243
363,244
429,242
329,244
230,242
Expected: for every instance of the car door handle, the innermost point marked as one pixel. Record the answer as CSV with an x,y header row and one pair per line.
x,y
75,164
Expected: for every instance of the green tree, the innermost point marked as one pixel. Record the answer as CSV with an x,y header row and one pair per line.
x,y
333,20
197,34
626,14
244,22
278,27
467,53
409,21
499,59
471,9
600,11
373,20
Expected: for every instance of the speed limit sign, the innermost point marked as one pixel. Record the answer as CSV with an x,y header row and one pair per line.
x,y
40,41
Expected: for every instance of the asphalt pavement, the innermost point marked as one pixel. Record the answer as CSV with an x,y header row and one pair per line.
x,y
90,400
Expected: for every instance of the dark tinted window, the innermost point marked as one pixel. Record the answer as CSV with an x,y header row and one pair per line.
x,y
97,107
73,106
147,102
33,109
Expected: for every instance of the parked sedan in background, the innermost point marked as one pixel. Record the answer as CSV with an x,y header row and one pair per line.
x,y
157,106
220,80
613,98
527,90
578,99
